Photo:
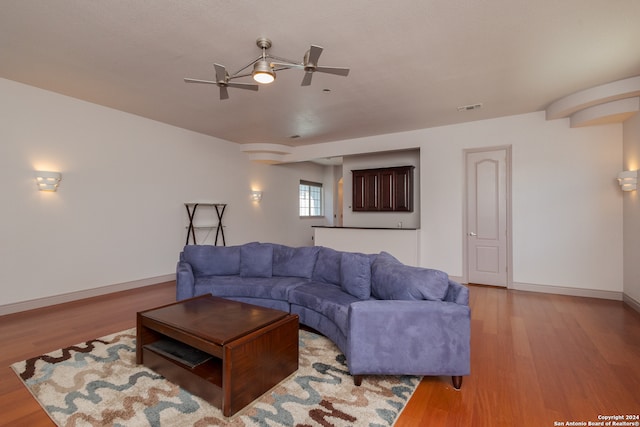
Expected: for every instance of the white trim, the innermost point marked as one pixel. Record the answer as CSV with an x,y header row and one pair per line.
x,y
564,107
631,302
87,293
563,290
610,112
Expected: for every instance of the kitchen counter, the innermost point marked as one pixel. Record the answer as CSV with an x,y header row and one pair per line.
x,y
364,228
402,243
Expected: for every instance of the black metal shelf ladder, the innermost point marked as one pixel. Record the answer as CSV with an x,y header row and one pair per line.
x,y
191,229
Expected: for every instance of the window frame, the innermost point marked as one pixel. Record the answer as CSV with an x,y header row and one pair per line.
x,y
310,185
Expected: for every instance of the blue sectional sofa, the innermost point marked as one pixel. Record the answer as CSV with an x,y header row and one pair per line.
x,y
386,317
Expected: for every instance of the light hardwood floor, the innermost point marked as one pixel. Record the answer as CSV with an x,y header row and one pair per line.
x,y
536,359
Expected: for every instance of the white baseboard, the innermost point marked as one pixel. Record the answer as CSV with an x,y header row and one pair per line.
x,y
87,293
103,290
563,290
631,302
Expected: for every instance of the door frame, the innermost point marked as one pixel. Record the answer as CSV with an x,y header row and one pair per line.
x,y
465,211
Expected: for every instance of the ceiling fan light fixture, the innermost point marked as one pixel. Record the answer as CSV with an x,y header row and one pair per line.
x,y
263,73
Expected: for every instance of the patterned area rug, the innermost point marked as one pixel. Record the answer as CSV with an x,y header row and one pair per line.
x,y
97,383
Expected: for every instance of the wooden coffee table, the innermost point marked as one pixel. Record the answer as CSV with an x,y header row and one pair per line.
x,y
227,352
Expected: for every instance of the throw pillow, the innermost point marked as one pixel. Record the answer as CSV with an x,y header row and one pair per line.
x,y
327,268
294,262
387,257
256,260
391,279
207,260
355,274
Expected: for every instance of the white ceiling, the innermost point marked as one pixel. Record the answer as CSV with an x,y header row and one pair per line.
x,y
413,62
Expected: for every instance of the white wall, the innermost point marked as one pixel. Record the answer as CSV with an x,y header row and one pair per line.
x,y
119,213
567,208
277,217
330,197
631,161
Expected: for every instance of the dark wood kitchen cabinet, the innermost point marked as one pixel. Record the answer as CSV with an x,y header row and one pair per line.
x,y
365,190
383,190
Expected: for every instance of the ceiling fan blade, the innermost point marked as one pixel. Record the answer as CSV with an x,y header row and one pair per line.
x,y
221,72
306,80
286,65
340,71
187,80
224,93
248,86
314,54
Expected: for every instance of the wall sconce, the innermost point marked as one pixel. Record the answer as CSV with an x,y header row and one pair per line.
x,y
48,181
256,195
628,180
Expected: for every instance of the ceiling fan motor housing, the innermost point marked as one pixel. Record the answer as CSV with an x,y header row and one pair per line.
x,y
308,66
263,43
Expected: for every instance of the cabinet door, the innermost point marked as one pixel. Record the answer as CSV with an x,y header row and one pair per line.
x,y
387,190
359,191
403,190
372,191
366,190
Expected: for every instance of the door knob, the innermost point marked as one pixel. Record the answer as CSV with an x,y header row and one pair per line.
x,y
472,234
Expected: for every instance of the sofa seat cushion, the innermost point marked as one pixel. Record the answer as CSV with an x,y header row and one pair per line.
x,y
390,279
253,287
329,300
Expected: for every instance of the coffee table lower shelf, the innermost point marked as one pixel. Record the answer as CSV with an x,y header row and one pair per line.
x,y
204,380
229,376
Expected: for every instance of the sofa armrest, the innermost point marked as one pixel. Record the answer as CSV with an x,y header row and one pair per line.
x,y
409,337
185,281
457,293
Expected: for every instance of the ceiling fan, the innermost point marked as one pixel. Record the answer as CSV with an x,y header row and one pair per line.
x,y
222,81
265,67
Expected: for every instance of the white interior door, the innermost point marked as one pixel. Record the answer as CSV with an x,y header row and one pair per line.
x,y
487,222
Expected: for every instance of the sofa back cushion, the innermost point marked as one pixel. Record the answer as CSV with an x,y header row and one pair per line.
x,y
355,274
207,260
390,279
294,262
327,268
256,260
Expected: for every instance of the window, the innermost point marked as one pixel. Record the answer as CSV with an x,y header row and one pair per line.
x,y
310,198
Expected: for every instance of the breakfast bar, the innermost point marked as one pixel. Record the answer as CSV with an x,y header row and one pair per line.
x,y
402,243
